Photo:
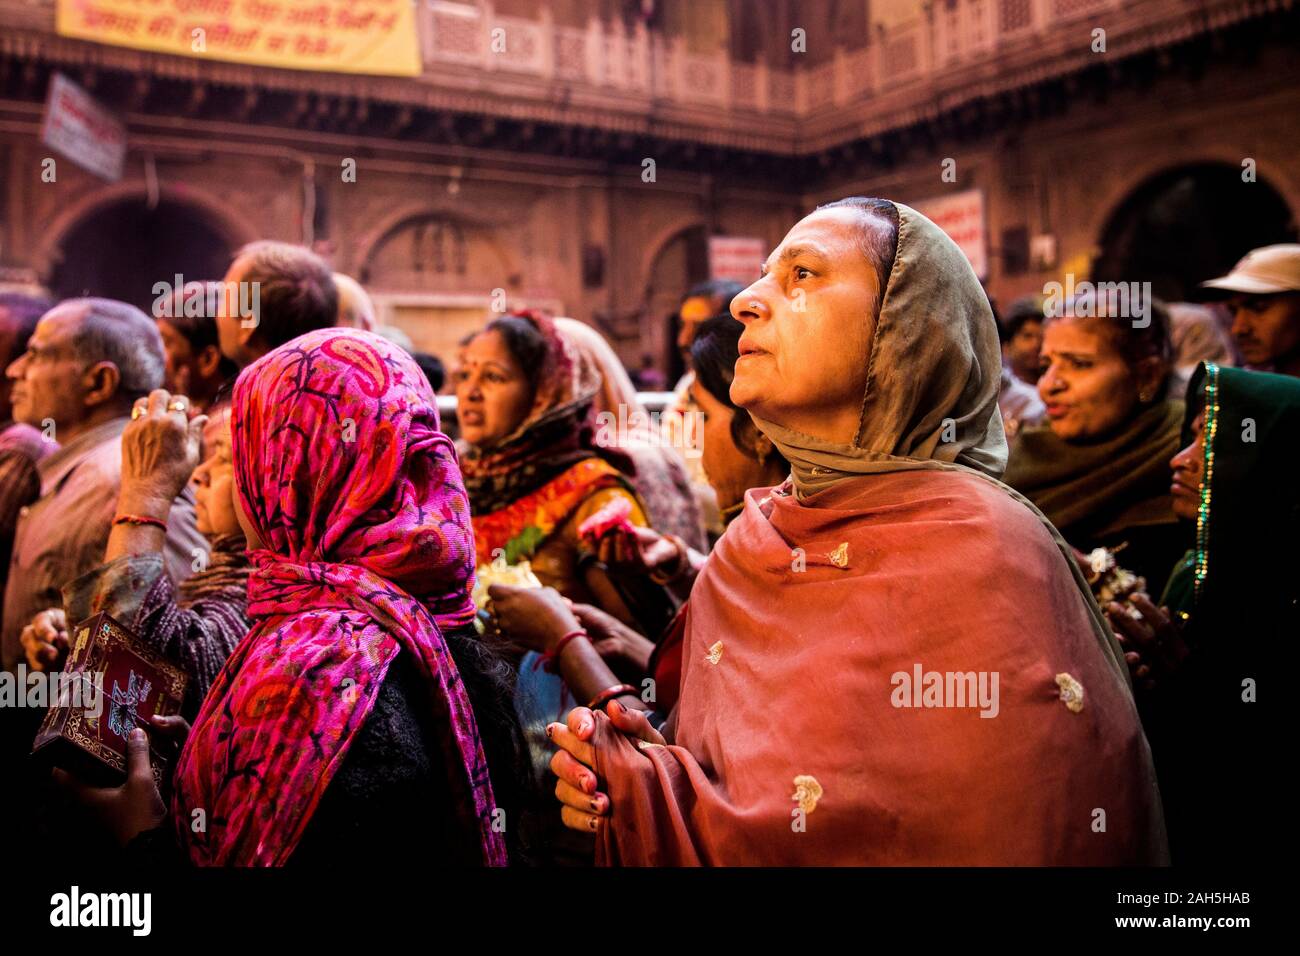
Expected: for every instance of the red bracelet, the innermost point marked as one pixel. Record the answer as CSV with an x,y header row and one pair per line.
x,y
551,659
608,694
140,519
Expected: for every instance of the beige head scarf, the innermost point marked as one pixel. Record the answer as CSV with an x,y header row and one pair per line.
x,y
616,386
933,379
931,398
661,478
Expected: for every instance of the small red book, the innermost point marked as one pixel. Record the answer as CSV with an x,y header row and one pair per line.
x,y
114,683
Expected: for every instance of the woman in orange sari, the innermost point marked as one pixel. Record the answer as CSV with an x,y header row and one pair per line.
x,y
891,658
531,466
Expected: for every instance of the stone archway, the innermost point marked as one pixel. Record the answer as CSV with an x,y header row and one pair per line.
x,y
1183,225
115,243
435,248
437,276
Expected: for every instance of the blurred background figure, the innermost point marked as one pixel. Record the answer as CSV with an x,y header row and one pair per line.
x,y
648,378
660,475
1264,290
198,622
682,425
432,368
85,365
1022,338
19,314
188,325
1197,334
294,291
532,467
1021,333
397,337
356,310
700,303
736,455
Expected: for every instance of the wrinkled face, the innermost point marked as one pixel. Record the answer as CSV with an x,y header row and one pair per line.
x,y
493,394
1188,466
693,311
48,381
808,325
179,358
214,481
1088,388
1267,327
1022,351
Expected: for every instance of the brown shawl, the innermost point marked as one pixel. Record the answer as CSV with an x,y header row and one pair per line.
x,y
1096,489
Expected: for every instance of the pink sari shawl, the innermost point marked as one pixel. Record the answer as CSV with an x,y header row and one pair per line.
x,y
803,736
367,552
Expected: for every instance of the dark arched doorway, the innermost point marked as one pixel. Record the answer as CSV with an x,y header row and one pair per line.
x,y
1190,224
121,250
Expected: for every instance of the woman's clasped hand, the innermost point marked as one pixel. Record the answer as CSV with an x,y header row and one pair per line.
x,y
583,805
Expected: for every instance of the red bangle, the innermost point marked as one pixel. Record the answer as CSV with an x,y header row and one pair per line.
x,y
140,519
608,694
551,659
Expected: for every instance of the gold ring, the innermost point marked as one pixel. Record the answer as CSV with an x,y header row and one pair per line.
x,y
177,406
136,411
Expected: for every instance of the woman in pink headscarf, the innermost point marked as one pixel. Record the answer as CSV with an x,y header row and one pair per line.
x,y
359,535
341,724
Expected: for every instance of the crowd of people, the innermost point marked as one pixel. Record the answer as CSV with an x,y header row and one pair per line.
x,y
941,586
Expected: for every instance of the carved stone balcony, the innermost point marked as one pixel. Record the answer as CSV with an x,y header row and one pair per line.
x,y
607,76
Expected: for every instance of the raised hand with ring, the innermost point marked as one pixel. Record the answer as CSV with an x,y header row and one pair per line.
x,y
161,447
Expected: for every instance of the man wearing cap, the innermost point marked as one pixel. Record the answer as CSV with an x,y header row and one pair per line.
x,y
1265,303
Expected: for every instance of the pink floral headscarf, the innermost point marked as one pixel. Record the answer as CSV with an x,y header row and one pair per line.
x,y
367,552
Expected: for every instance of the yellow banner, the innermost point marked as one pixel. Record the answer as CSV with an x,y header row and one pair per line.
x,y
334,36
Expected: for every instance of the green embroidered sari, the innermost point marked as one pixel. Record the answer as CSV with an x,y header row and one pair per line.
x,y
1237,593
1252,451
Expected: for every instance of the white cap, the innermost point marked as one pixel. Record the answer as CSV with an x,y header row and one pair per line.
x,y
1263,271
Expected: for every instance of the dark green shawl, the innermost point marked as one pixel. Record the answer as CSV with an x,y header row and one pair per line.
x,y
1250,506
1218,768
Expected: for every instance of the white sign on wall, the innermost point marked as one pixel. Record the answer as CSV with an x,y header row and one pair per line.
x,y
736,257
961,216
83,130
